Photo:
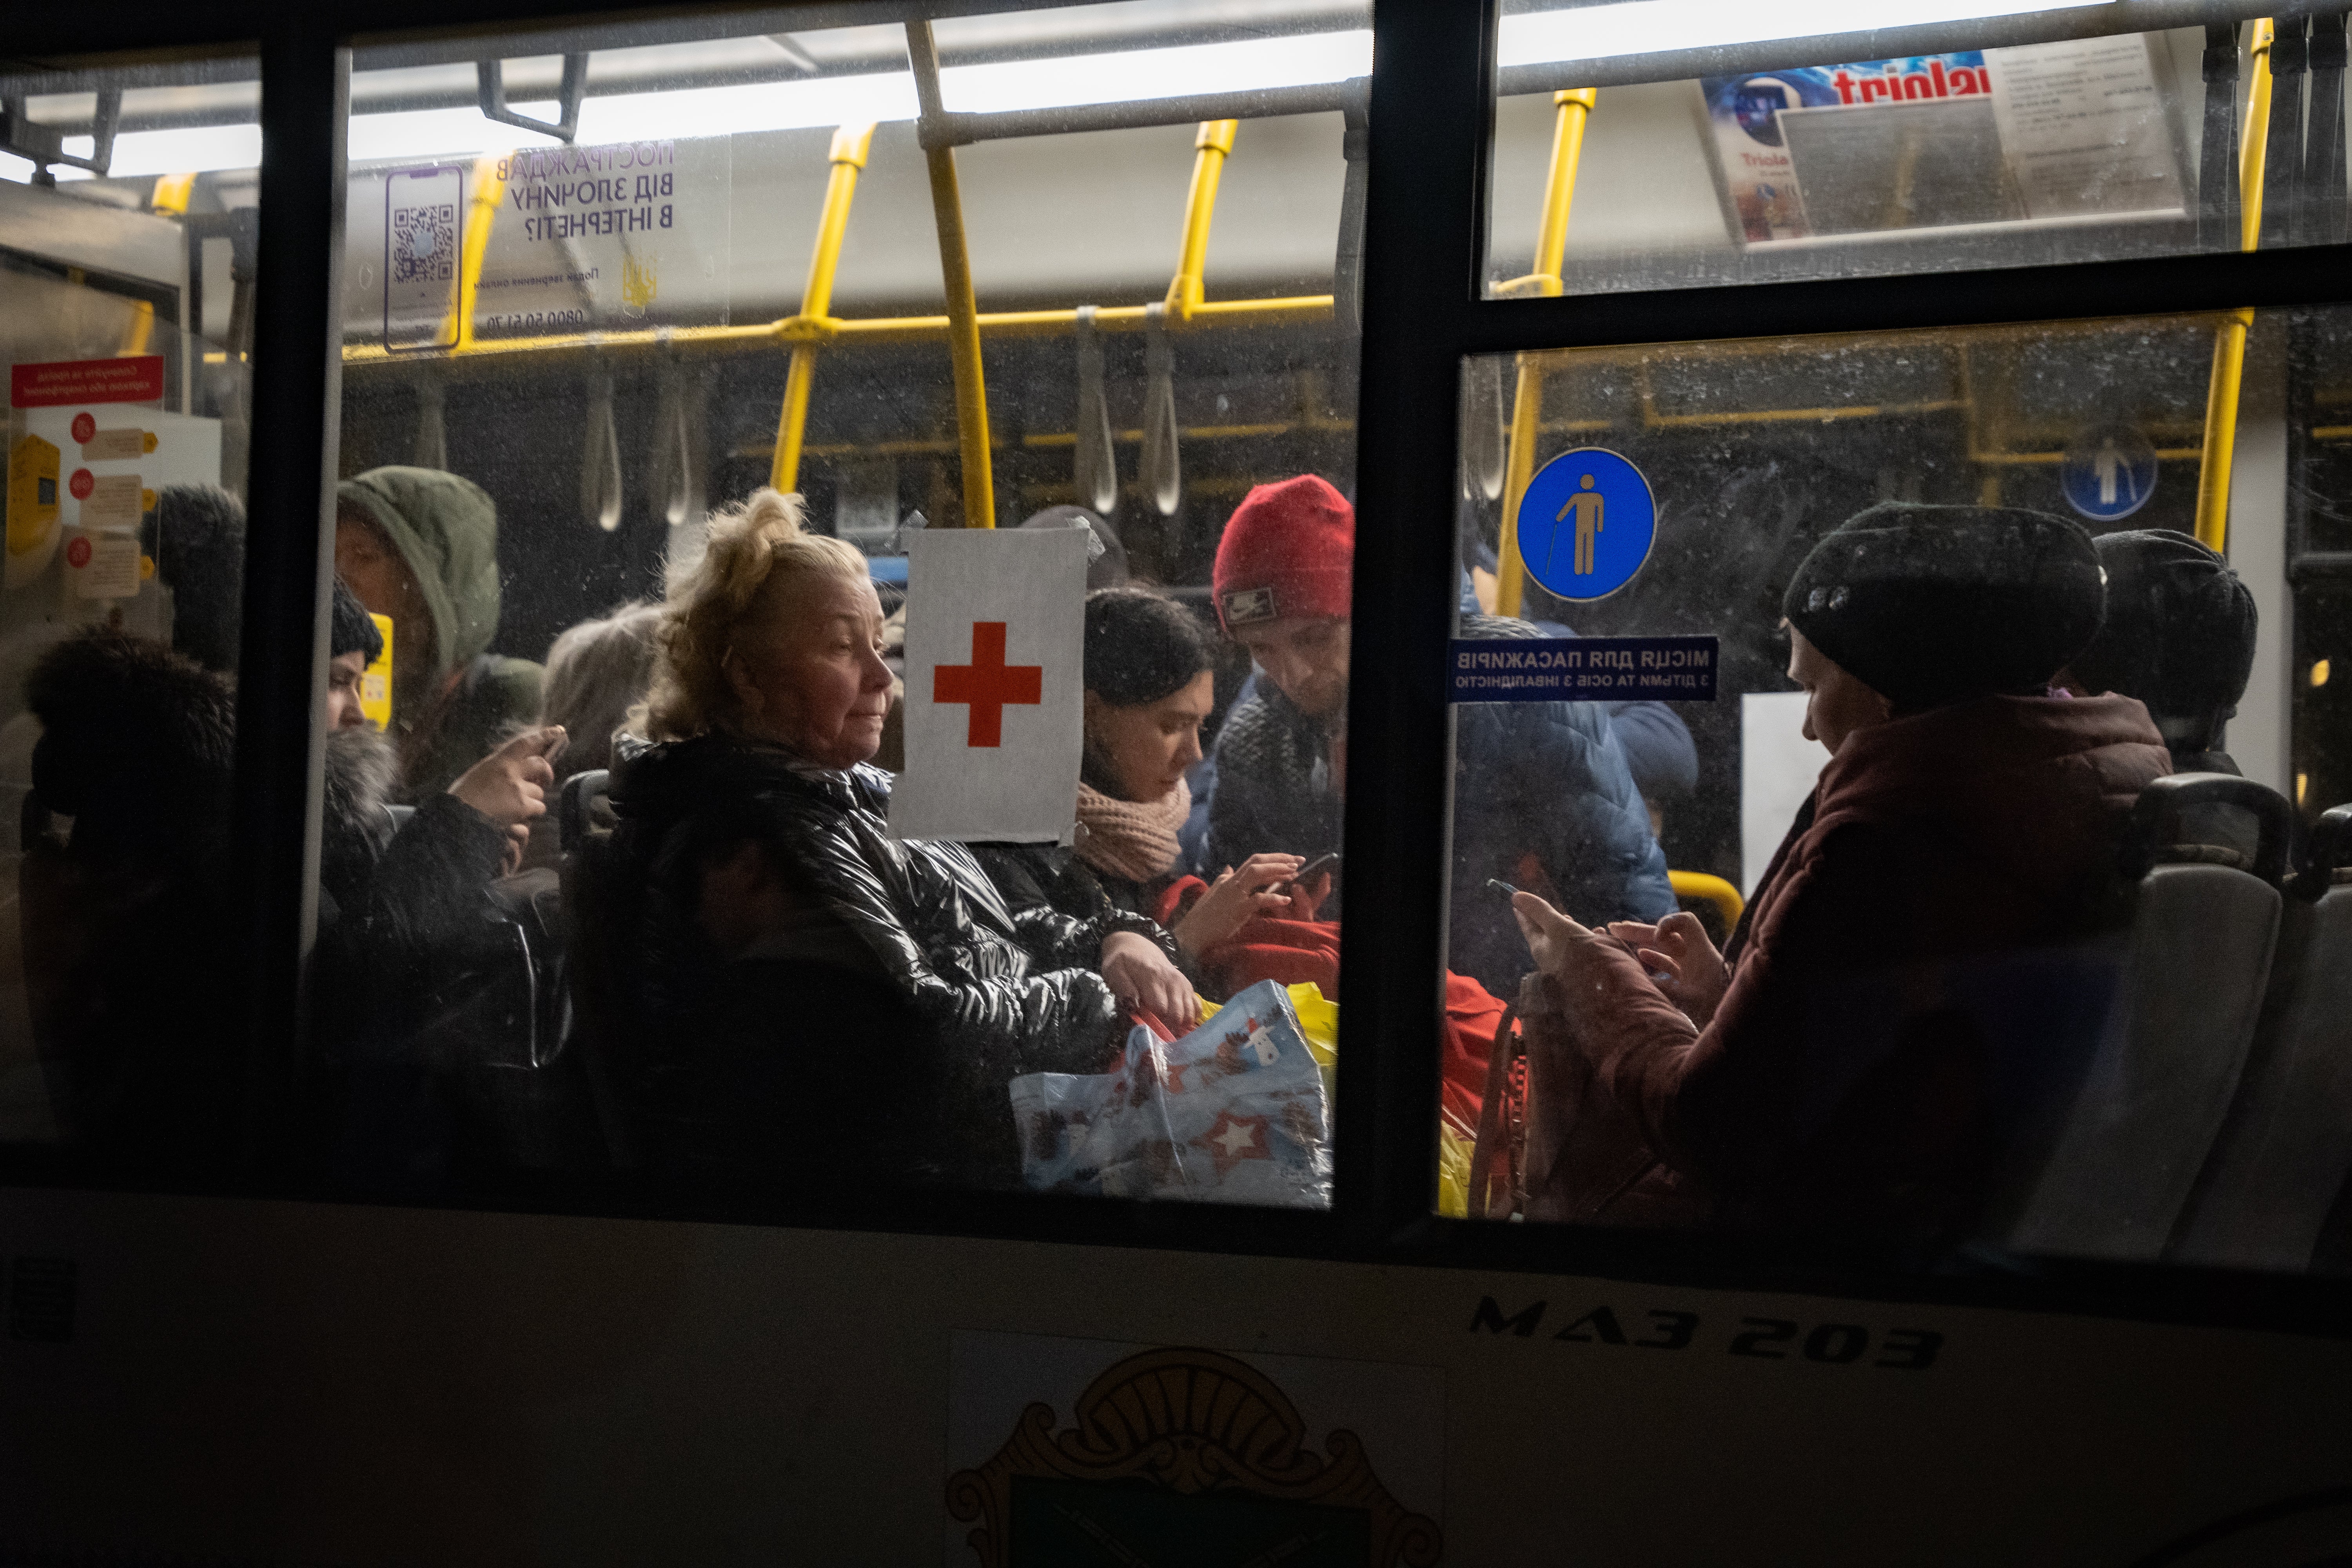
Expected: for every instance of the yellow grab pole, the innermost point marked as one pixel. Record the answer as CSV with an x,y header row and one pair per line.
x,y
489,193
2229,339
1214,144
170,195
851,146
955,275
1575,105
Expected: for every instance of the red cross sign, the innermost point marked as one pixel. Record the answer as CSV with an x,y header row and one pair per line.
x,y
988,684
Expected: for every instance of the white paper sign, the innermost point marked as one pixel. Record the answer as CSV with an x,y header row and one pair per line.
x,y
995,685
1777,769
2084,127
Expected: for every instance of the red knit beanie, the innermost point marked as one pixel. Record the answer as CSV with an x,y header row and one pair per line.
x,y
1285,555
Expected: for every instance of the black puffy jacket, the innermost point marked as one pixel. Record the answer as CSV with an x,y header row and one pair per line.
x,y
946,993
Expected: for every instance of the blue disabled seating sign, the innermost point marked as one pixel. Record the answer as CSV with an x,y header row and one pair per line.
x,y
1586,524
2108,471
1569,669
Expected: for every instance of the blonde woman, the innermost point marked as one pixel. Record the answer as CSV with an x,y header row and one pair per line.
x,y
817,990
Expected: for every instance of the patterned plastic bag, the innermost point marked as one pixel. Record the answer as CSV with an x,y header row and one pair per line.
x,y
1233,1113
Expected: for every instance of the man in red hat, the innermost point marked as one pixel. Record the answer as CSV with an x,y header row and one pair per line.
x,y
1542,794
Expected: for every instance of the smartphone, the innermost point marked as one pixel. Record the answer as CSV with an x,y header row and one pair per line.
x,y
1312,869
424,222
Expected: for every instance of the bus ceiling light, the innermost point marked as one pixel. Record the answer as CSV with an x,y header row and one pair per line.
x,y
1063,82
1646,27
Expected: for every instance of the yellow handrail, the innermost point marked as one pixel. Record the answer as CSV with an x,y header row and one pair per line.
x,y
955,277
170,195
851,146
1711,890
489,195
1575,105
1214,144
791,329
2229,339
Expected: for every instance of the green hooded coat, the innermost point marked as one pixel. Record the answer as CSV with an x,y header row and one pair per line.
x,y
446,529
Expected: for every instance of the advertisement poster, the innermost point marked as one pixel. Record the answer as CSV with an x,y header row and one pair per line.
x,y
2050,132
561,240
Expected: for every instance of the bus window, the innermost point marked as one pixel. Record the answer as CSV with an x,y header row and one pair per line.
x,y
1636,148
126,265
1875,794
866,563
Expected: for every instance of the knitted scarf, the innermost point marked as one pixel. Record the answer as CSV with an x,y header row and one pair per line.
x,y
1131,840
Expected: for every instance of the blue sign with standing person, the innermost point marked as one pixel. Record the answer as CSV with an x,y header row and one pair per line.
x,y
1586,524
2108,471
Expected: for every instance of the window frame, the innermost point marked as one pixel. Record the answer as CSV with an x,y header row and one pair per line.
x,y
1431,118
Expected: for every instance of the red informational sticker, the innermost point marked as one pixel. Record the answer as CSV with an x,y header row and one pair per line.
x,y
84,426
131,378
77,554
81,484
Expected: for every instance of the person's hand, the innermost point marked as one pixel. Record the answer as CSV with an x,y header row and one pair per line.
x,y
1551,936
1234,899
1306,898
1677,948
509,785
1139,975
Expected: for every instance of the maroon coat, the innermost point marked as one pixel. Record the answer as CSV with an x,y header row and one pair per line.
x,y
1836,1087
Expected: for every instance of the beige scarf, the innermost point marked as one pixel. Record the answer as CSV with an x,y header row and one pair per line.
x,y
1130,839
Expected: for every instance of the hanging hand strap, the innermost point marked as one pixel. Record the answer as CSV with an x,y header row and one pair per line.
x,y
1095,469
1163,483
600,463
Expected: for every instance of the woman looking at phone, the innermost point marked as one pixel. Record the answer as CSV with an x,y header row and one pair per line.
x,y
1150,688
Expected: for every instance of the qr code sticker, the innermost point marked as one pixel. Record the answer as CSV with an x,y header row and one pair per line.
x,y
424,243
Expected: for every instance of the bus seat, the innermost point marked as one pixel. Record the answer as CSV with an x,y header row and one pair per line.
x,y
2283,1154
577,808
593,903
2130,1144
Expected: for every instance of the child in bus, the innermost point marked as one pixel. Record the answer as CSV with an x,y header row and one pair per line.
x,y
1543,796
1812,1076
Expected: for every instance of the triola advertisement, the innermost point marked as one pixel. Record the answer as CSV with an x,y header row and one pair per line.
x,y
2050,132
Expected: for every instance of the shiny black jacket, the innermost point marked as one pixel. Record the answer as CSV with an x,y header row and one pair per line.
x,y
964,994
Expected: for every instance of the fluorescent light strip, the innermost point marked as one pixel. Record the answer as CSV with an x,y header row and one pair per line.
x,y
1648,27
1066,82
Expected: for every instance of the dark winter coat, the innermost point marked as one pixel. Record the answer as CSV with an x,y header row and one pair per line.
x,y
131,975
1542,798
879,1042
1840,1084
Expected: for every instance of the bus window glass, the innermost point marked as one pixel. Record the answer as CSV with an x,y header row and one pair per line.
x,y
862,626
1781,163
127,205
1891,778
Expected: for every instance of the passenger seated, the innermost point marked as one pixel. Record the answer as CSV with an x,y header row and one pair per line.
x,y
823,1001
596,672
2179,636
417,975
1542,795
1810,1078
129,975
1148,690
422,546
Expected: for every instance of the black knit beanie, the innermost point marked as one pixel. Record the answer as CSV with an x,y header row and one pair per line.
x,y
351,631
1930,605
2179,634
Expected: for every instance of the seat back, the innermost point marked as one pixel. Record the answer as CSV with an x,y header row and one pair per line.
x,y
594,900
2129,1147
2136,1131
2284,1151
